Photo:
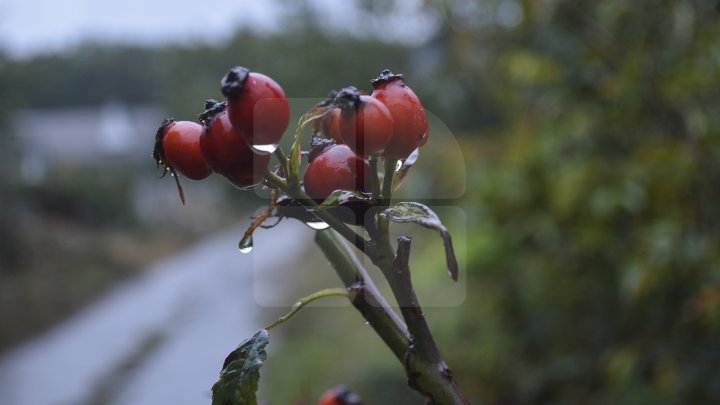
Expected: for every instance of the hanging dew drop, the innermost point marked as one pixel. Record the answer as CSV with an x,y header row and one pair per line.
x,y
246,245
318,226
265,149
401,173
412,158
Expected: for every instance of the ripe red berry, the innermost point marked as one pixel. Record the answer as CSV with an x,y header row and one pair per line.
x,y
409,118
365,124
339,396
331,125
177,148
336,168
226,151
257,107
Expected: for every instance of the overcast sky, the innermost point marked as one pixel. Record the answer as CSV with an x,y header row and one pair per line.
x,y
31,26
28,27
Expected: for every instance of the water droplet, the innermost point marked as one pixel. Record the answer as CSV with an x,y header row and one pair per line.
x,y
404,168
367,323
246,245
412,158
318,226
296,305
265,149
398,165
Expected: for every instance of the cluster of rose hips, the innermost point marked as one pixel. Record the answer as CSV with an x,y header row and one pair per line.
x,y
236,137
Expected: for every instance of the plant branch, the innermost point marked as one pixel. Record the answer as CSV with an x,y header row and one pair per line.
x,y
426,371
425,366
328,292
368,300
401,284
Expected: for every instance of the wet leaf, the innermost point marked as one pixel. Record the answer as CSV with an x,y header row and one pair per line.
x,y
340,197
422,215
239,377
404,168
294,160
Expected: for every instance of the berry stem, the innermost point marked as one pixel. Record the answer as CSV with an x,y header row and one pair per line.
x,y
374,181
388,180
298,195
282,159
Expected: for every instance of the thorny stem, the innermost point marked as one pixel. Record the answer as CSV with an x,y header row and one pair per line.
x,y
328,292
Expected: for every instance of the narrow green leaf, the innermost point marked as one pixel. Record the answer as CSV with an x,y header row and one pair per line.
x,y
339,197
424,216
240,374
294,161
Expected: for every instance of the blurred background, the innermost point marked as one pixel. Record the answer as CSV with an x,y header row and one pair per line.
x,y
589,193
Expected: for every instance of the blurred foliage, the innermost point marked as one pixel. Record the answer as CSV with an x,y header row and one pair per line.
x,y
595,224
593,156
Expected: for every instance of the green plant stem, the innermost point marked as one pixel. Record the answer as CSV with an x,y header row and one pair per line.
x,y
300,196
328,292
368,300
374,181
282,159
388,180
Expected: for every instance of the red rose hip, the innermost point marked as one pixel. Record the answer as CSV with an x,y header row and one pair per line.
x,y
257,108
177,148
336,168
365,124
410,126
226,151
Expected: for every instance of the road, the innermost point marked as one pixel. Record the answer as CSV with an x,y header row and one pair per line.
x,y
158,339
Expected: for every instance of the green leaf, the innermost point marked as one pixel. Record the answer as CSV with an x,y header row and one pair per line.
x,y
424,216
339,197
295,156
240,374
